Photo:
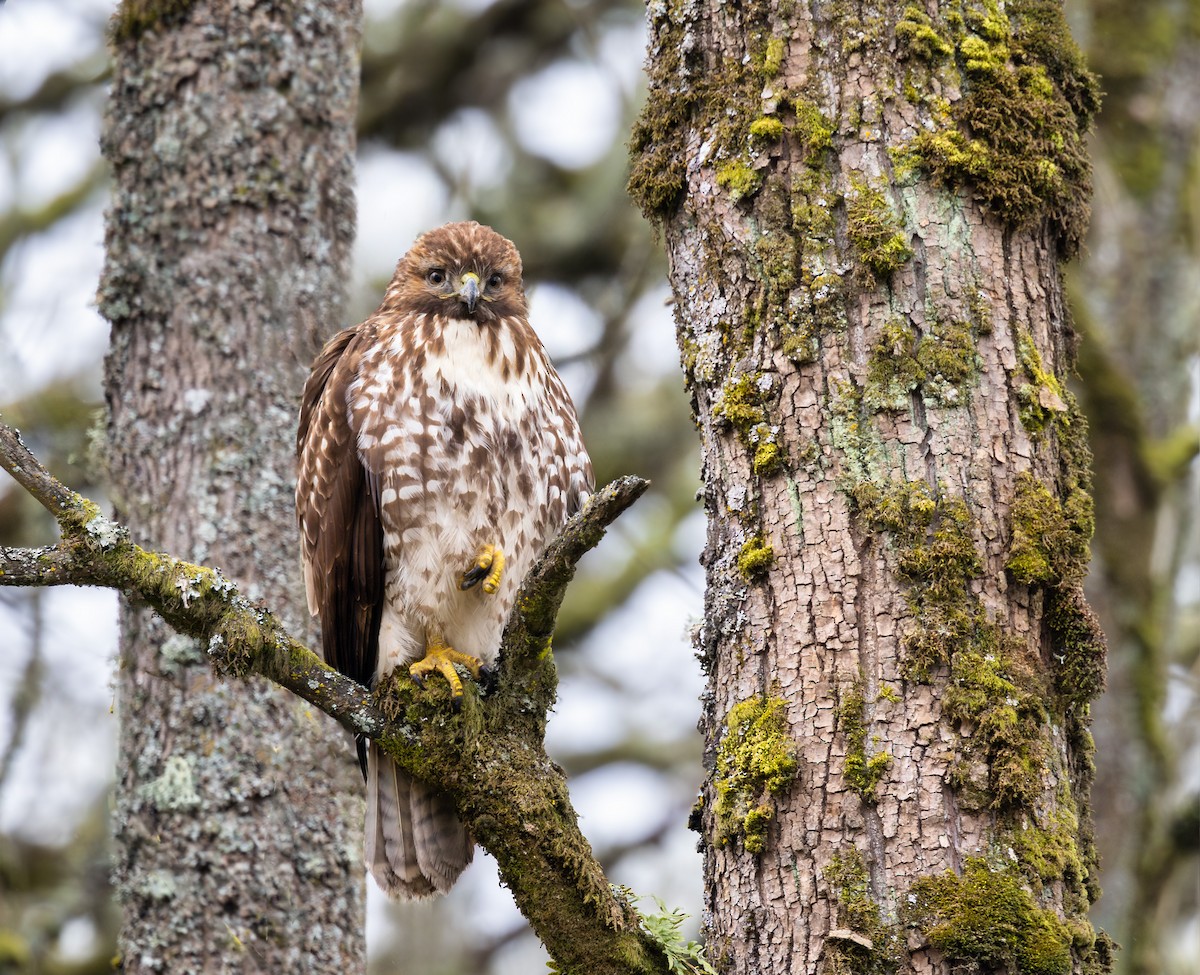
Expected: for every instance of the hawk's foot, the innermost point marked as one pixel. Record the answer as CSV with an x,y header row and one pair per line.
x,y
440,658
488,568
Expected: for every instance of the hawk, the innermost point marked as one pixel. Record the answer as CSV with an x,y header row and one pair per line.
x,y
439,452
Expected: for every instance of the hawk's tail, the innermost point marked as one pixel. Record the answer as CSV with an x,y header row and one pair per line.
x,y
415,845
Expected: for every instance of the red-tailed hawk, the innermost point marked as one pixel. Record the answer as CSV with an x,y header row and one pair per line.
x,y
439,452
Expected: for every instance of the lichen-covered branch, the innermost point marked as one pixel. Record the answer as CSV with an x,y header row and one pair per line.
x,y
489,756
27,471
46,566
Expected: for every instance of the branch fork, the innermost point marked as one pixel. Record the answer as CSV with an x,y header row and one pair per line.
x,y
490,757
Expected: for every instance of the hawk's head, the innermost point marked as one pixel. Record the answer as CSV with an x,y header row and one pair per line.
x,y
460,270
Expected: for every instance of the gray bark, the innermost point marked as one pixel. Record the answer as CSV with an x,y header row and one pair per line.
x,y
230,135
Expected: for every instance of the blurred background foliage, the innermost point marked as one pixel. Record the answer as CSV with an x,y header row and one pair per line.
x,y
516,113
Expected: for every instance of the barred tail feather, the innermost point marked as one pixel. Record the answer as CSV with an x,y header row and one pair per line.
x,y
415,845
443,847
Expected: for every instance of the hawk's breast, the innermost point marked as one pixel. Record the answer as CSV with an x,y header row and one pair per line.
x,y
464,435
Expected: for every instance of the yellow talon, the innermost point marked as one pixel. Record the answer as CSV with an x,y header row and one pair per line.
x,y
488,567
441,658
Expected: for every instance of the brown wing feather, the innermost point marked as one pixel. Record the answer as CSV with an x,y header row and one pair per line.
x,y
338,511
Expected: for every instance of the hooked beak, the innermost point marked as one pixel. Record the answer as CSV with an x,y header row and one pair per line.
x,y
468,291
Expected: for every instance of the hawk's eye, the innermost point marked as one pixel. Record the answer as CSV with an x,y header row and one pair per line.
x,y
495,281
436,276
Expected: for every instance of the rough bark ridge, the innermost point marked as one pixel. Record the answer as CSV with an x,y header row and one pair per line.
x,y
865,206
230,135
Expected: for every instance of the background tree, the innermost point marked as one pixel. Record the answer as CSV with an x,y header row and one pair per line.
x,y
229,135
465,140
1135,294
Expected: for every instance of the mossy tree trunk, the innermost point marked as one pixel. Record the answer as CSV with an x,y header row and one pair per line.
x,y
230,136
865,209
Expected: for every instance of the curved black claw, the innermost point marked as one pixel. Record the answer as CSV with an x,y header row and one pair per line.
x,y
473,576
361,743
489,680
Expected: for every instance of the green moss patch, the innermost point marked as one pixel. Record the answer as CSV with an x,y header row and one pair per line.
x,y
682,94
766,130
739,179
1041,34
1049,547
875,230
656,145
756,761
1049,854
742,404
920,37
768,457
862,771
812,130
1043,402
947,360
685,95
802,299
1080,648
1049,538
988,918
994,687
995,690
859,912
1017,134
754,558
770,60
936,559
777,251
938,365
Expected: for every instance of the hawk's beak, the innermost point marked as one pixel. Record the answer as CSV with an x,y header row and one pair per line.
x,y
469,290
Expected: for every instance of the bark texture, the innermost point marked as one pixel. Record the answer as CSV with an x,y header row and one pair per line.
x,y
230,136
865,207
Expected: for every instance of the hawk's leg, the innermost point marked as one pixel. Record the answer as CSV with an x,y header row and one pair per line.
x,y
441,658
488,567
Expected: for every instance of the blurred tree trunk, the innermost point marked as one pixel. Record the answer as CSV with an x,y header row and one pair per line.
x,y
865,210
1136,294
230,135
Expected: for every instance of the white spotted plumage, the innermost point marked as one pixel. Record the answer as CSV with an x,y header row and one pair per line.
x,y
438,515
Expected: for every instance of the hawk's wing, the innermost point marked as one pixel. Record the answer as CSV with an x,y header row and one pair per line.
x,y
341,536
580,480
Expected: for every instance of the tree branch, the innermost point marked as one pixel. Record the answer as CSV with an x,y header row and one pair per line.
x,y
28,471
489,757
48,566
